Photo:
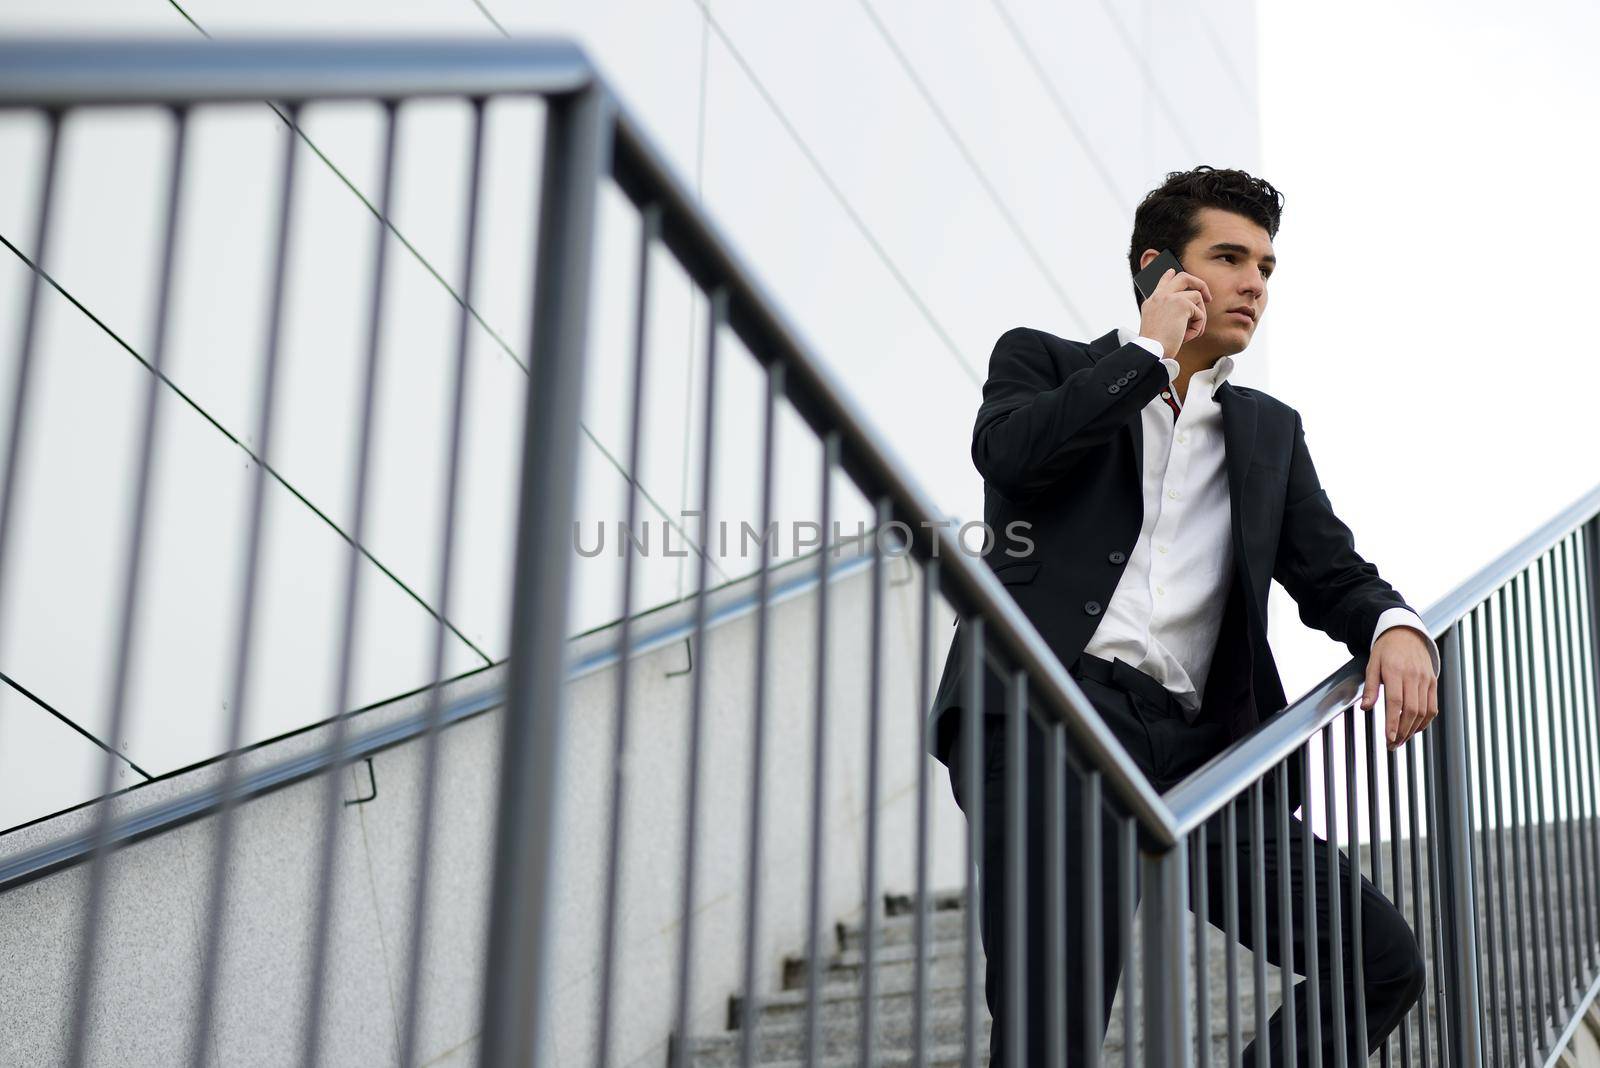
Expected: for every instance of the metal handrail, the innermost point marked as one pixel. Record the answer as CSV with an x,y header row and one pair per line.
x,y
90,71
1230,772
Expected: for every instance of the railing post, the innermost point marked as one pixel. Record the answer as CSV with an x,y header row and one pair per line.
x,y
576,155
1591,531
1457,911
1165,907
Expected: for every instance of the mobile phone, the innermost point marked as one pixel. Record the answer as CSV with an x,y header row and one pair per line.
x,y
1147,279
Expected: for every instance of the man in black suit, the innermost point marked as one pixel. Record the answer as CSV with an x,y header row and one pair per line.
x,y
1159,501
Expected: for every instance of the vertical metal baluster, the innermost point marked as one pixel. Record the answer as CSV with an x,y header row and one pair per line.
x,y
1481,819
1127,885
972,795
1094,933
1451,783
1440,967
1467,634
1559,663
1474,809
216,894
1414,827
1573,746
819,755
1055,859
749,1005
1230,931
1286,972
1371,753
1396,854
1589,644
649,233
578,131
1258,916
1495,608
22,380
1560,984
132,571
1496,1004
1166,1008
409,1022
1202,926
1308,893
930,591
1528,692
1529,936
1354,719
1016,864
1330,793
869,928
1586,718
338,745
691,834
1552,716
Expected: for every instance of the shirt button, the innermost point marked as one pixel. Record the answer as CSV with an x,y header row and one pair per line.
x,y
1182,438
1161,590
1092,607
1164,393
1173,494
1161,548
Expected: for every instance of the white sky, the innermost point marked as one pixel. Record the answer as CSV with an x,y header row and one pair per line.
x,y
1429,315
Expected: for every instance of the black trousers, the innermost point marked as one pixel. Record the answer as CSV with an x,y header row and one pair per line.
x,y
1168,749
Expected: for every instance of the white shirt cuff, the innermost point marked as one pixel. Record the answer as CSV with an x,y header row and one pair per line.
x,y
1152,344
1155,349
1404,617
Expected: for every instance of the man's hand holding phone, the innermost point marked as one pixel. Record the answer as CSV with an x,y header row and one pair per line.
x,y
1175,311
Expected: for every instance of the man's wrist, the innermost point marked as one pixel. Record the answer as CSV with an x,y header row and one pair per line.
x,y
1398,616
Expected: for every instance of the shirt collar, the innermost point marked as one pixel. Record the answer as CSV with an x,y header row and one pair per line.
x,y
1217,372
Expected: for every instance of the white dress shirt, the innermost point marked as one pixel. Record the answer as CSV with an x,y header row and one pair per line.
x,y
1167,609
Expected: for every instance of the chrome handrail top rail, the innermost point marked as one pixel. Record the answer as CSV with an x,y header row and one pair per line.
x,y
97,71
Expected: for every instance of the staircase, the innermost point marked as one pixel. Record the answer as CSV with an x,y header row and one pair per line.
x,y
782,1017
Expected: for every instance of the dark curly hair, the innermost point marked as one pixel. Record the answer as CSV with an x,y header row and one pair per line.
x,y
1165,219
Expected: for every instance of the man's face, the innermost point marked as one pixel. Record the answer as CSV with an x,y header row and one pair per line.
x,y
1234,256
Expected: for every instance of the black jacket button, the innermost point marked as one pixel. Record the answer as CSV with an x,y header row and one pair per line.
x,y
1132,372
1117,557
1092,607
1112,388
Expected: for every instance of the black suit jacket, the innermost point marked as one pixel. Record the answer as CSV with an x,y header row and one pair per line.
x,y
1060,445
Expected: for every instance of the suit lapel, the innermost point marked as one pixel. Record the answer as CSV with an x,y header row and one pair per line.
x,y
1239,440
